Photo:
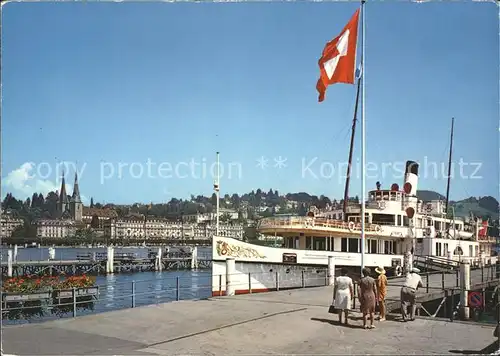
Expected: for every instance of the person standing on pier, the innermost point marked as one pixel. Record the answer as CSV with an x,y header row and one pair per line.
x,y
367,297
409,293
382,290
343,293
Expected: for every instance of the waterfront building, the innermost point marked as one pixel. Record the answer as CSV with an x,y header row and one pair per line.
x,y
61,228
103,215
9,224
155,228
200,218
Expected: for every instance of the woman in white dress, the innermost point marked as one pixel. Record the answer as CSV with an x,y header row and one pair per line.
x,y
343,293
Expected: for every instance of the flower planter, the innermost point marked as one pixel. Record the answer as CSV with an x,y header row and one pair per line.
x,y
22,297
80,292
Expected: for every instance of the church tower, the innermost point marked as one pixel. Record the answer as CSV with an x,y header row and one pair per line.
x,y
63,203
76,205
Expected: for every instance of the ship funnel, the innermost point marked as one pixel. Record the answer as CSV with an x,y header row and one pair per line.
x,y
411,178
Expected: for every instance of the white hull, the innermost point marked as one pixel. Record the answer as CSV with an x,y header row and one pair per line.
x,y
261,268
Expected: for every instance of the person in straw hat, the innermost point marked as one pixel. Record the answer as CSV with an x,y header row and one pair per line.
x,y
382,290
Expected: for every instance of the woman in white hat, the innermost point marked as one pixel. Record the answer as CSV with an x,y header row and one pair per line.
x,y
382,290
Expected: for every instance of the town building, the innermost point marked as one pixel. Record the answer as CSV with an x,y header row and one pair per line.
x,y
9,224
139,228
103,215
62,228
231,215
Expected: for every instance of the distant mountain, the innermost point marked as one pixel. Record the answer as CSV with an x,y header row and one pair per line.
x,y
484,207
428,195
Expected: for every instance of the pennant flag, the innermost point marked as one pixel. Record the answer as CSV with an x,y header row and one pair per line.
x,y
337,63
483,231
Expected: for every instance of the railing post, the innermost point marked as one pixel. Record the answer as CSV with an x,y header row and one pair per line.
x,y
74,302
249,283
442,280
133,294
482,273
465,284
427,283
452,305
277,281
457,277
355,295
177,289
220,285
303,279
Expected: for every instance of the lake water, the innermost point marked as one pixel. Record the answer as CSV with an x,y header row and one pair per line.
x,y
115,291
71,253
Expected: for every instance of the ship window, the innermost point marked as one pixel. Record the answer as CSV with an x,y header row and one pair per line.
x,y
372,246
437,225
445,252
429,222
308,243
383,219
389,247
319,243
458,227
406,221
399,220
438,249
353,245
343,244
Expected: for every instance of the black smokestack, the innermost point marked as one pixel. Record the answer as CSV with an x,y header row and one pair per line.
x,y
412,167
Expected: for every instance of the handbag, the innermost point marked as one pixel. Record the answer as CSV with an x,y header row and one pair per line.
x,y
333,310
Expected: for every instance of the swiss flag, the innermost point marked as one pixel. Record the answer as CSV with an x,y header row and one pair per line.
x,y
338,61
483,231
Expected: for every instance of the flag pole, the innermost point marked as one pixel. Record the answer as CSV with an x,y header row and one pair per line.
x,y
363,153
217,193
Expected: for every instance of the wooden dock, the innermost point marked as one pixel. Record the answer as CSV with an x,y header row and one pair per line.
x,y
442,285
96,266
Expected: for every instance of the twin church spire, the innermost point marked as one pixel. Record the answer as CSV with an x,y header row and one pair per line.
x,y
73,205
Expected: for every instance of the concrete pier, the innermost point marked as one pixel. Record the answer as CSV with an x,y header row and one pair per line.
x,y
285,322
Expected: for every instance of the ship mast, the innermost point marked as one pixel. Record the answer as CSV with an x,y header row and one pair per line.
x,y
449,168
351,149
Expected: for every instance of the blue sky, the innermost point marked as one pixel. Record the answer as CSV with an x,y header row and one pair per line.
x,y
99,84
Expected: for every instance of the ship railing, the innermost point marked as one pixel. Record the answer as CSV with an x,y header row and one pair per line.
x,y
307,222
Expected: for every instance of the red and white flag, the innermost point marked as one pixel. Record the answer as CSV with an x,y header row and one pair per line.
x,y
338,61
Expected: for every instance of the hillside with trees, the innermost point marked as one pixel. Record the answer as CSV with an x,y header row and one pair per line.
x,y
257,203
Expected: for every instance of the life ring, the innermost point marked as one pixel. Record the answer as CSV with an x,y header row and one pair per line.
x,y
398,271
223,252
378,229
350,226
